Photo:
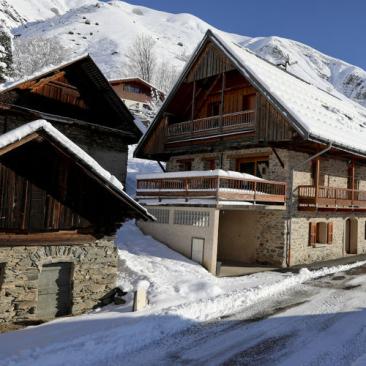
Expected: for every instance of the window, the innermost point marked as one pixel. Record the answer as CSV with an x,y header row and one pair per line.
x,y
213,109
194,218
132,89
254,166
209,164
162,215
320,233
248,102
185,165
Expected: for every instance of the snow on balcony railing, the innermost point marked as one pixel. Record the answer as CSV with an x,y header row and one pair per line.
x,y
214,183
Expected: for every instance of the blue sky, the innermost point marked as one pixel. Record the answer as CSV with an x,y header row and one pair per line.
x,y
335,27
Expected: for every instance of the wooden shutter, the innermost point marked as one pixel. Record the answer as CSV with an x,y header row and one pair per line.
x,y
330,233
312,233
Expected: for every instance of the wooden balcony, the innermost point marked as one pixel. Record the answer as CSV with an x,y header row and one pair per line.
x,y
210,126
217,184
331,198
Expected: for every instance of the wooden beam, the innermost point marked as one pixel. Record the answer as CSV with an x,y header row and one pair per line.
x,y
18,143
222,98
33,85
317,178
205,95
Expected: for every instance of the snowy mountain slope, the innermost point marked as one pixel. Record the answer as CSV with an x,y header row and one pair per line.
x,y
16,12
107,29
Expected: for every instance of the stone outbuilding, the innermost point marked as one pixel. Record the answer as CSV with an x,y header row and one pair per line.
x,y
59,211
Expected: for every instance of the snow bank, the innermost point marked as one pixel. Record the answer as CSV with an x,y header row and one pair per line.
x,y
181,294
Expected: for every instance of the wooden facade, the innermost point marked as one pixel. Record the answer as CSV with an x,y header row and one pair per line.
x,y
217,108
45,189
135,89
78,100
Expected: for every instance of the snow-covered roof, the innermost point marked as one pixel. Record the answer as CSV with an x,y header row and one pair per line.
x,y
42,125
315,113
199,173
10,84
319,114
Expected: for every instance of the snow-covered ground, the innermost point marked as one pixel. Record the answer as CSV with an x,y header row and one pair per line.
x,y
183,296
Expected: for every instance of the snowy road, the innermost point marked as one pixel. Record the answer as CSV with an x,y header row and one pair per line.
x,y
321,322
307,318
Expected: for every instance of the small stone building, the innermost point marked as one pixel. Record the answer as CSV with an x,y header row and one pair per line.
x,y
59,211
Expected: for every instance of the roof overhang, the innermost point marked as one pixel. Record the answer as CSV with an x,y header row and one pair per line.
x,y
41,128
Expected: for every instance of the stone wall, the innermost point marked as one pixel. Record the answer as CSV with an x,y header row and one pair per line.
x,y
252,236
272,228
302,252
94,274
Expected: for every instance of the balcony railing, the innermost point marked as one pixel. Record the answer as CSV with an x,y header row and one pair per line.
x,y
231,122
330,198
216,185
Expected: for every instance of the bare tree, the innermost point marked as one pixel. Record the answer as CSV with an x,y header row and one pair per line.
x,y
34,54
165,76
6,53
142,58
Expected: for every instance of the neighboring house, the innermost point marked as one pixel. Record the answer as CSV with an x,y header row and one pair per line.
x,y
59,204
79,101
262,167
59,210
138,95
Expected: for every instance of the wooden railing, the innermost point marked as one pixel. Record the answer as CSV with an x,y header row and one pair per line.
x,y
218,187
244,120
331,198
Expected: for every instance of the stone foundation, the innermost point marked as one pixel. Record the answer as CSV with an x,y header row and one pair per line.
x,y
94,274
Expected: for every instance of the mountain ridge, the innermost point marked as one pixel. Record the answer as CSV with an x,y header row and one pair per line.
x,y
107,29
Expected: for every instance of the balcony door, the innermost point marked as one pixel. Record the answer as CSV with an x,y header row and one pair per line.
x,y
254,166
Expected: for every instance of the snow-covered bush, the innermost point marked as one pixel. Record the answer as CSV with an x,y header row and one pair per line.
x,y
33,54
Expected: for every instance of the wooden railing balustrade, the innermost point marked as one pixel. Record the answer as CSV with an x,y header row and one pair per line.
x,y
244,120
309,197
218,187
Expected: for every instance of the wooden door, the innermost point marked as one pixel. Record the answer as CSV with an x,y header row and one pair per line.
x,y
351,236
54,291
197,249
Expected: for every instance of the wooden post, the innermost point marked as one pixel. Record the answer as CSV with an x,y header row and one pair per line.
x,y
222,100
317,178
255,191
193,102
353,180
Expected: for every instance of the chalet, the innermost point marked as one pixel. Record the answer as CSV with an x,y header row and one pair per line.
x,y
59,210
77,99
137,94
262,167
